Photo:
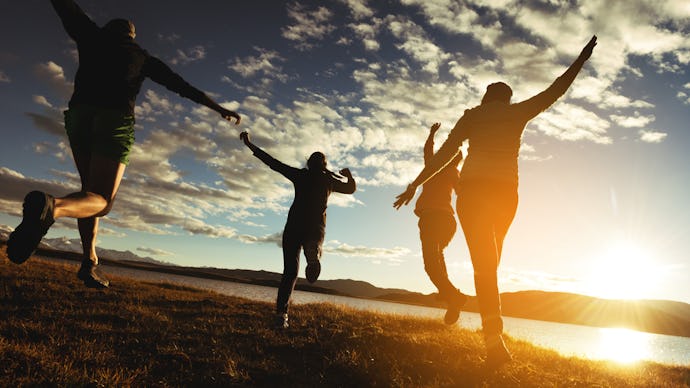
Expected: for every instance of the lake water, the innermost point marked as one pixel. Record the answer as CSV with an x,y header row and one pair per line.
x,y
621,345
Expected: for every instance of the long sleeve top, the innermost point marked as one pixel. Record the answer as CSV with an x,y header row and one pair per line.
x,y
113,68
494,131
312,189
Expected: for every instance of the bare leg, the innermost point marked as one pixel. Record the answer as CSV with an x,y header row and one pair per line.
x,y
100,179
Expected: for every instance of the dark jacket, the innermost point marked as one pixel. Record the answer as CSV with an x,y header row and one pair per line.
x,y
312,188
112,68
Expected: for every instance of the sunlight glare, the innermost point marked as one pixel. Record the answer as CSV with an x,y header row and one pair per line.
x,y
624,271
623,345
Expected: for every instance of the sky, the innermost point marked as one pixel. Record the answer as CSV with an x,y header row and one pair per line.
x,y
604,180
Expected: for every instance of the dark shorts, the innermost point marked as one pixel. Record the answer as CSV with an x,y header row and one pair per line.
x,y
106,132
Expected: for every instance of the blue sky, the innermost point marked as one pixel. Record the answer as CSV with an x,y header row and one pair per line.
x,y
603,173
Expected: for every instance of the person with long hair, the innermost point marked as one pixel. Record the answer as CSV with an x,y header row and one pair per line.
x,y
100,128
305,228
488,195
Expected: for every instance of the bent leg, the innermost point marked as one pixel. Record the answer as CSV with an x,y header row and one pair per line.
x,y
100,178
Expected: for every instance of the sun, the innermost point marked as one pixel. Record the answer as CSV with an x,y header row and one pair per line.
x,y
623,345
624,271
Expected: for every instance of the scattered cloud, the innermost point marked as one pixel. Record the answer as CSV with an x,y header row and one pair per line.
x,y
55,76
192,54
307,26
634,121
424,65
359,9
395,254
264,64
649,136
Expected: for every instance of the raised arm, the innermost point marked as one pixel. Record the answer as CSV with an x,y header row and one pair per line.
x,y
537,104
273,163
429,144
348,187
73,18
440,159
162,74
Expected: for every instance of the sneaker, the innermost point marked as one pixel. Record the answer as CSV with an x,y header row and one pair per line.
x,y
281,321
455,305
496,352
312,271
87,274
37,217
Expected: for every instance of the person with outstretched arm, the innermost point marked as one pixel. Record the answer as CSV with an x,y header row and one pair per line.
x,y
488,195
437,227
305,228
100,126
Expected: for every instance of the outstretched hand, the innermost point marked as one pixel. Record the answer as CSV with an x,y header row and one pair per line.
x,y
587,50
244,136
405,197
435,127
229,115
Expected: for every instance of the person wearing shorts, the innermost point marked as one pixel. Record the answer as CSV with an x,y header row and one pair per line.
x,y
100,127
306,222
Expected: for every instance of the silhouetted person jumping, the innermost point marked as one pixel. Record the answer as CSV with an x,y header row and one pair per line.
x,y
488,185
306,222
437,226
100,128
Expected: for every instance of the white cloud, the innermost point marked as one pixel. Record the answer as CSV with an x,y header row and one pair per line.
x,y
652,136
570,122
265,64
367,33
308,26
41,100
359,9
416,43
191,54
393,255
635,121
55,75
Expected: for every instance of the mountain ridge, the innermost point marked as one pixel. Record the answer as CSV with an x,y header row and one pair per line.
x,y
654,316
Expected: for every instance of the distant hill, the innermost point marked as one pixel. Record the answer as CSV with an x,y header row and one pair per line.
x,y
655,316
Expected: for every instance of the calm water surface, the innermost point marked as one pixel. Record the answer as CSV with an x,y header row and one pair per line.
x,y
621,345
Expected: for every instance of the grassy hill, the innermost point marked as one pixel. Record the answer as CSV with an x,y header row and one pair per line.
x,y
56,332
654,316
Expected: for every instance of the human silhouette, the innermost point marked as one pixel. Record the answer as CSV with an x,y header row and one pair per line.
x,y
306,222
488,195
100,127
437,227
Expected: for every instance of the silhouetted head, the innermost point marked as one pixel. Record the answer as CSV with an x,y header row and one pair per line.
x,y
497,91
120,28
317,161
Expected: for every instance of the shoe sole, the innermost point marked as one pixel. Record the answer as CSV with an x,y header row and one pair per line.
x,y
453,312
312,271
24,240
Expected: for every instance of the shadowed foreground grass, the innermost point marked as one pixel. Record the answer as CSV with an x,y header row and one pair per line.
x,y
54,331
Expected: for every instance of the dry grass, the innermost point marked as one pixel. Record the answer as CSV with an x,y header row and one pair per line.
x,y
56,332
